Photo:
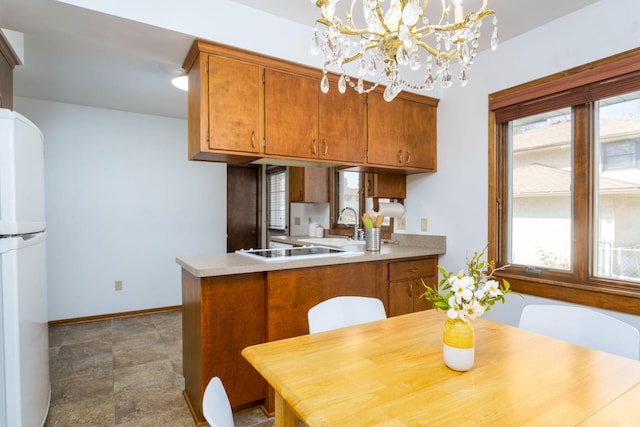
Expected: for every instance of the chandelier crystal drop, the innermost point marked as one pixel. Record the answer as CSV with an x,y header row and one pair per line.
x,y
388,40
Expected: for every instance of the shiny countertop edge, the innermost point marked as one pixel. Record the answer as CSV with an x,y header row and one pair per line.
x,y
210,265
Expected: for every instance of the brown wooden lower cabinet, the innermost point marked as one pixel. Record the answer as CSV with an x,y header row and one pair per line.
x,y
221,316
224,314
405,284
291,293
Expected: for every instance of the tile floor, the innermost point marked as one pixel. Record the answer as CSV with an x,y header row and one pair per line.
x,y
123,372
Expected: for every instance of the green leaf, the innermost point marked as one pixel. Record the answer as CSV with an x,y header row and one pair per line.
x,y
441,305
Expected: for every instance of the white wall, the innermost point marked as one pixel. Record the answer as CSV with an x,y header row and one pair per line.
x,y
307,212
122,201
455,198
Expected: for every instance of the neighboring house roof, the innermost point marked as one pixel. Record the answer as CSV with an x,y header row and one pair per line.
x,y
560,133
539,180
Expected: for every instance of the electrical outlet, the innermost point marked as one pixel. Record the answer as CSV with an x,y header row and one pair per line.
x,y
401,223
296,220
424,225
118,285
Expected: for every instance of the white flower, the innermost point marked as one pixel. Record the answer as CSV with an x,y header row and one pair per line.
x,y
462,287
492,287
480,294
452,314
454,310
472,310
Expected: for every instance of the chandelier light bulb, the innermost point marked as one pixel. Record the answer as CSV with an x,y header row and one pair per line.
x,y
390,40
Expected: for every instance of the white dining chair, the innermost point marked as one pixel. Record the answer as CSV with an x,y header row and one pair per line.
x,y
588,328
215,405
339,312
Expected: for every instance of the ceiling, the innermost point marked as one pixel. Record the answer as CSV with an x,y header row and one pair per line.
x,y
81,56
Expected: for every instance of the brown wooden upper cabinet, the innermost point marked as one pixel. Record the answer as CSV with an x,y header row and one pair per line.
x,y
225,106
402,133
8,61
342,120
303,122
244,107
386,186
235,114
291,115
308,184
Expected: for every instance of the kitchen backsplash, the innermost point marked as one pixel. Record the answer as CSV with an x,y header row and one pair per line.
x,y
301,214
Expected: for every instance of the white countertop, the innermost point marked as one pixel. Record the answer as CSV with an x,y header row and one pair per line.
x,y
225,264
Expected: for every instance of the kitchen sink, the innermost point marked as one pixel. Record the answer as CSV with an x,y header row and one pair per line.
x,y
332,241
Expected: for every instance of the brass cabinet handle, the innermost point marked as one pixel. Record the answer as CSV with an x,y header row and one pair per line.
x,y
408,157
400,156
314,146
326,147
413,270
410,289
253,139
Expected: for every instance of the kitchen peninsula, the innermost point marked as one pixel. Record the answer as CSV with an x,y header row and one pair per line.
x,y
231,301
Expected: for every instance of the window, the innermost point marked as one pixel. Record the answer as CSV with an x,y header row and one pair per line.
x,y
540,190
277,198
565,178
349,190
349,185
617,189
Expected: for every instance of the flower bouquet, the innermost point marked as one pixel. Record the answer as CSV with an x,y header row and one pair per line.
x,y
469,294
465,296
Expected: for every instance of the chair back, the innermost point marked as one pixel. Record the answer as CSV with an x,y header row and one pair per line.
x,y
215,405
343,311
588,328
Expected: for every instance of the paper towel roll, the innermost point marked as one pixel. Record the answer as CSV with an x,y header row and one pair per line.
x,y
395,210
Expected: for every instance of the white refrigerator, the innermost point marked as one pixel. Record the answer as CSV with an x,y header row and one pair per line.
x,y
24,343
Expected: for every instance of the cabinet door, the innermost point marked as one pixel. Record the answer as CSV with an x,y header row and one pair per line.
x,y
402,133
385,131
400,297
386,186
291,293
419,135
308,184
404,297
8,61
342,124
420,303
235,113
291,115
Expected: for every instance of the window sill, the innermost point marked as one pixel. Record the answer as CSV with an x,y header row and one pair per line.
x,y
615,296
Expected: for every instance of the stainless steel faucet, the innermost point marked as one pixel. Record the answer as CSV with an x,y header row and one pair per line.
x,y
355,224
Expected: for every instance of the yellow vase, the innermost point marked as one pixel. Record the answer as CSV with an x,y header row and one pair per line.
x,y
458,349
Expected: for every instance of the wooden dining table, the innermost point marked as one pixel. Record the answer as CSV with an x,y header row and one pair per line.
x,y
391,373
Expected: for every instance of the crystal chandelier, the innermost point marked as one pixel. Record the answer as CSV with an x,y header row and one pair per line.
x,y
393,42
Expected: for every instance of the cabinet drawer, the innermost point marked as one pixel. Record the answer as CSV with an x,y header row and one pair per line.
x,y
416,268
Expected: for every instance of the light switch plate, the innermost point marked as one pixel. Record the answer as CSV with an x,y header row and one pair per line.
x,y
424,225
